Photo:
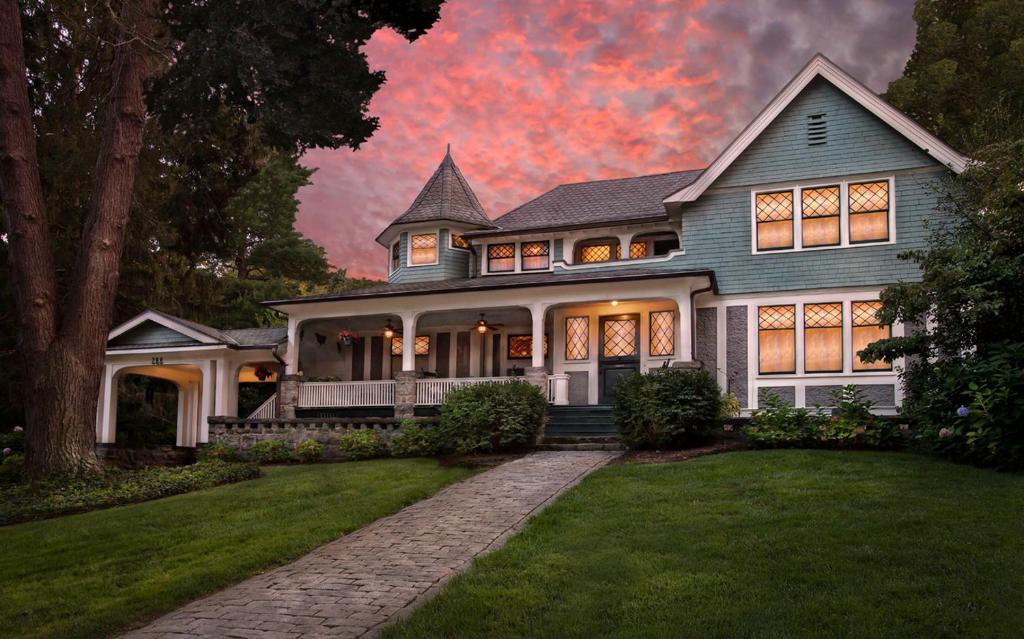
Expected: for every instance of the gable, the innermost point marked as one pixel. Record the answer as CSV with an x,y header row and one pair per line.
x,y
150,334
822,133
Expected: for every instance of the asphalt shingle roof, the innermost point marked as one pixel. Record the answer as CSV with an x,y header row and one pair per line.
x,y
236,336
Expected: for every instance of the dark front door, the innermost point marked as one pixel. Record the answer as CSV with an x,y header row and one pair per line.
x,y
619,354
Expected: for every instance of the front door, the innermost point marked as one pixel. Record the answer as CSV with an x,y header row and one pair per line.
x,y
620,353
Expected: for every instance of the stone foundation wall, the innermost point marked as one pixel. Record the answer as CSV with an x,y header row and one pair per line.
x,y
144,457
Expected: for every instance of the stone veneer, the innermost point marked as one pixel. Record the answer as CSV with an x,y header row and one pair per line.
x,y
405,394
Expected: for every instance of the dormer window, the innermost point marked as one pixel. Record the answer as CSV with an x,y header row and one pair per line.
x,y
594,252
396,255
423,249
501,258
536,255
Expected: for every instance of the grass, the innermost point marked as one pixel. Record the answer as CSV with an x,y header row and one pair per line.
x,y
93,574
795,544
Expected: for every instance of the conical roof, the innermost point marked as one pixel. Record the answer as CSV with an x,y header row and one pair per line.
x,y
446,196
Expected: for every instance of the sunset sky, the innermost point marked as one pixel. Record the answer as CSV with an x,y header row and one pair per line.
x,y
534,93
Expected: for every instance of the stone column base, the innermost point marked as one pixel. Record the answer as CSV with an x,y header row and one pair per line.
x,y
538,376
287,395
405,394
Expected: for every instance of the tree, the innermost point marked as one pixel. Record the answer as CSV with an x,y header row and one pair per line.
x,y
294,70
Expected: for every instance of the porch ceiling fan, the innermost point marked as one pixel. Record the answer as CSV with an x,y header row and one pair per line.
x,y
390,330
482,326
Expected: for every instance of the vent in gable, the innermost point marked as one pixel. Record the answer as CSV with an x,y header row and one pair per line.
x,y
817,129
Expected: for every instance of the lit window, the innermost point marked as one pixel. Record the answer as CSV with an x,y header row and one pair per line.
x,y
823,338
637,250
869,212
501,258
662,333
423,345
396,345
590,253
396,256
424,248
776,339
820,212
867,329
774,220
619,338
577,338
535,255
459,242
521,346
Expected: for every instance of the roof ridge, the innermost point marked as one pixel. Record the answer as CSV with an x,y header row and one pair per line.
x,y
628,177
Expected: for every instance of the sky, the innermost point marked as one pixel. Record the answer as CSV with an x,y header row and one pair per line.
x,y
535,93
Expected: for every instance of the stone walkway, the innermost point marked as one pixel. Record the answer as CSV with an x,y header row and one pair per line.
x,y
352,586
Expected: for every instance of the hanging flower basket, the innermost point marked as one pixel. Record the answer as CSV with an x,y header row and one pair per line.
x,y
345,337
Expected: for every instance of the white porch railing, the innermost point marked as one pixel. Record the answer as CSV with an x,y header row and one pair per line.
x,y
267,410
342,394
431,392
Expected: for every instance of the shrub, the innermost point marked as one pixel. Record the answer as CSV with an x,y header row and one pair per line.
x,y
778,425
217,450
270,451
37,500
309,450
12,468
853,425
362,444
730,406
416,440
491,417
667,408
14,440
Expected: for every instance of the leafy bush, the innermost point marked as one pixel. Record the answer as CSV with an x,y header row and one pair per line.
x,y
217,450
491,417
667,408
270,451
778,425
853,424
38,500
13,440
416,440
730,406
12,468
309,450
362,444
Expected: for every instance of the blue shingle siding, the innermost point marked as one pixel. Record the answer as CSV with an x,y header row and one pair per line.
x,y
451,263
151,334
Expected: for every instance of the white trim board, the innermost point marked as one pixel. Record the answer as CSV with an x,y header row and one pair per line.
x,y
166,322
825,68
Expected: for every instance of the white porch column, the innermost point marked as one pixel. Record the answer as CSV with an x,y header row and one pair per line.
x,y
222,395
625,239
409,341
106,411
684,325
206,392
537,311
291,355
184,404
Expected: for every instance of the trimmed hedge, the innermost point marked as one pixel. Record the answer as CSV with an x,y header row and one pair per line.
x,y
43,499
667,408
492,416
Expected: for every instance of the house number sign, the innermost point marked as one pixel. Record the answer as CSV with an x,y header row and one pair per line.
x,y
157,361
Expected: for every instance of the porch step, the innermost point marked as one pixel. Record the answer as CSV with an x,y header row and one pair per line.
x,y
583,446
580,421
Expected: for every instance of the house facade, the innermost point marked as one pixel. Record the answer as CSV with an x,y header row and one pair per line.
x,y
764,268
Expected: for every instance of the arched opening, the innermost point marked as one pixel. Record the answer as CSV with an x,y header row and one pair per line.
x,y
257,384
147,411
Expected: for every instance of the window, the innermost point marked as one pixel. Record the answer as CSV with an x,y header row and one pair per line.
x,y
774,220
869,212
577,338
396,345
424,249
776,339
459,242
637,250
535,255
422,345
501,258
619,337
867,329
823,338
521,346
603,252
662,333
396,255
820,211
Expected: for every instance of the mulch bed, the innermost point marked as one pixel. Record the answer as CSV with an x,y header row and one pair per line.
x,y
668,456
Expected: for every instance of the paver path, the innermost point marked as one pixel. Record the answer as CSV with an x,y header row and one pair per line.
x,y
350,587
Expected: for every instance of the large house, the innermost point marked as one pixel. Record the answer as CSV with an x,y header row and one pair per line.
x,y
764,268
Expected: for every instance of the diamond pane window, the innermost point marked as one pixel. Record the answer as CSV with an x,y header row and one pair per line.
x,y
869,212
424,248
423,345
776,339
637,250
662,333
535,255
867,328
596,253
823,338
521,346
577,338
501,258
396,256
396,345
459,242
774,213
820,211
620,338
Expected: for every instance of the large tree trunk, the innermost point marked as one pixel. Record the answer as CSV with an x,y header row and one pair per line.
x,y
63,360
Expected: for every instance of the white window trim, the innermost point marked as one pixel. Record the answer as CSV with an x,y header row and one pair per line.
x,y
844,215
437,250
550,256
452,246
485,263
392,269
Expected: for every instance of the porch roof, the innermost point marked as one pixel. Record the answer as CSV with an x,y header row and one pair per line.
x,y
492,282
173,336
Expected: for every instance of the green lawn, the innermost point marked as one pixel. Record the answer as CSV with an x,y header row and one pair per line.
x,y
756,544
92,574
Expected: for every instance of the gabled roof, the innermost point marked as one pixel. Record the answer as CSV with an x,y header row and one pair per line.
x,y
199,334
446,196
825,68
601,202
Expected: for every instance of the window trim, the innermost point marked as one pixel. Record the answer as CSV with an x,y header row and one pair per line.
x,y
853,354
650,333
842,336
889,226
838,215
395,261
487,258
611,242
508,346
451,242
521,257
565,333
792,221
844,213
798,309
437,250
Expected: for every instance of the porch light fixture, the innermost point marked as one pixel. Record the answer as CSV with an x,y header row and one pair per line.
x,y
482,326
615,302
389,330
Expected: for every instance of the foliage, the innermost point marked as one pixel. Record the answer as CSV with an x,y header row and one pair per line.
x,y
777,424
146,411
730,406
667,408
309,450
13,439
362,444
852,423
12,468
416,440
270,451
37,500
217,450
491,417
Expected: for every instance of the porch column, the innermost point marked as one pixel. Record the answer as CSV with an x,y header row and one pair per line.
x,y
287,395
625,239
222,392
291,355
106,412
409,341
537,374
684,327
